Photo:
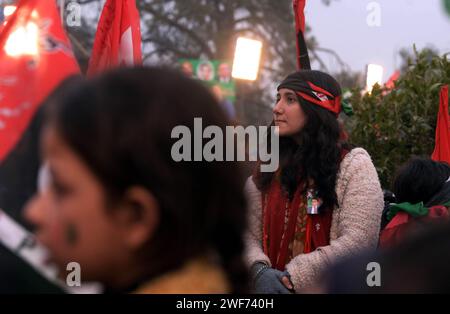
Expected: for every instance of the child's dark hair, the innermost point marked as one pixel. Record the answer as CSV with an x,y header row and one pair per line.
x,y
419,179
120,124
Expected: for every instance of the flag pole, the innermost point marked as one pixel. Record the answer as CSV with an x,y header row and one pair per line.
x,y
62,6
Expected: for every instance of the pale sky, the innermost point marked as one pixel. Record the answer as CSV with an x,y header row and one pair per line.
x,y
342,26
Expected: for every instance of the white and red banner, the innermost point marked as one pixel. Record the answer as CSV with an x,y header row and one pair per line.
x,y
118,38
35,56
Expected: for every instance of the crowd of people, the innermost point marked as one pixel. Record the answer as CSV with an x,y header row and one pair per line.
x,y
136,221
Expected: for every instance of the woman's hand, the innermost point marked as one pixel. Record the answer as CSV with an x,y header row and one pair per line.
x,y
268,280
286,280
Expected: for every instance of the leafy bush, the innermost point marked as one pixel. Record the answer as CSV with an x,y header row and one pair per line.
x,y
395,125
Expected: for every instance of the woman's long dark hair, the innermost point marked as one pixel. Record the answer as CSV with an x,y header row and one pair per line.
x,y
313,154
120,124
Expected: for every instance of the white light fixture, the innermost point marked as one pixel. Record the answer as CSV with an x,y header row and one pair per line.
x,y
246,59
374,76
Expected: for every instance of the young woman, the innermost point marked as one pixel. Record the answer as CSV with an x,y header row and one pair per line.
x,y
325,200
120,206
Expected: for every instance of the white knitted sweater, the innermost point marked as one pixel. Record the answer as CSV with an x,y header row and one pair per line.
x,y
354,226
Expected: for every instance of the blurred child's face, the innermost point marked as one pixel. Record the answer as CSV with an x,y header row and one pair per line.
x,y
73,220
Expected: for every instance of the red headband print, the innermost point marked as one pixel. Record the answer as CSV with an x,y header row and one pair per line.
x,y
324,98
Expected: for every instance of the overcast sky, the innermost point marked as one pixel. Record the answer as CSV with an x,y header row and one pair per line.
x,y
342,26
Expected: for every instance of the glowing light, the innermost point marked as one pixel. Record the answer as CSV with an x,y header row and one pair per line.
x,y
9,10
23,41
374,76
246,59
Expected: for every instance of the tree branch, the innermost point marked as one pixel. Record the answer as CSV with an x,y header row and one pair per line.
x,y
332,52
181,28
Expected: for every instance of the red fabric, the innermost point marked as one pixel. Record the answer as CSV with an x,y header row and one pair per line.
x,y
403,224
391,82
277,235
333,105
299,12
442,143
27,78
276,238
118,38
327,100
319,236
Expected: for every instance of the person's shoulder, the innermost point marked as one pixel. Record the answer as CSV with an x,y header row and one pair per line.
x,y
355,160
198,276
357,154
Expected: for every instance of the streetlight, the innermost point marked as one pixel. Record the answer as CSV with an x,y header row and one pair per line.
x,y
374,76
246,59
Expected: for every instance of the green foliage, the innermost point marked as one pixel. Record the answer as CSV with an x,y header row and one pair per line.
x,y
395,125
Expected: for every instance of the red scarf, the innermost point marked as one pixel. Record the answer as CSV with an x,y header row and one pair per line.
x,y
277,234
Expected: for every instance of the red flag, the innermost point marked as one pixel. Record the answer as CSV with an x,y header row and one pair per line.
x,y
442,144
35,56
299,10
390,84
118,38
302,51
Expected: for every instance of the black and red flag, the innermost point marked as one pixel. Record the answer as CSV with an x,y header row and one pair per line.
x,y
303,62
35,57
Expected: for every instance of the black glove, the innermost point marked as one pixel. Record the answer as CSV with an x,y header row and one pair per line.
x,y
268,280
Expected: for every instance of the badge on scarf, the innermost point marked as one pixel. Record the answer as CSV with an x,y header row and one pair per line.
x,y
314,203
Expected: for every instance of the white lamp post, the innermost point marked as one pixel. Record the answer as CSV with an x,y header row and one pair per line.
x,y
247,57
374,76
